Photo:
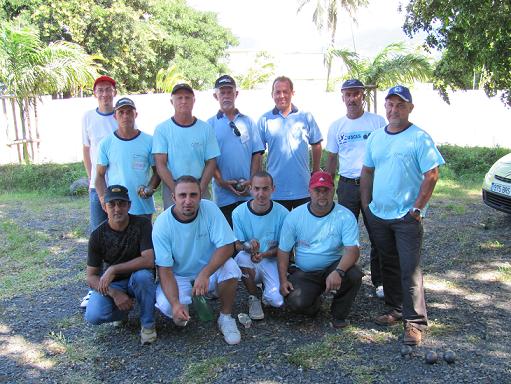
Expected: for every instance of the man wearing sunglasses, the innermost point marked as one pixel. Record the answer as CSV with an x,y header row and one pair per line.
x,y
240,149
120,266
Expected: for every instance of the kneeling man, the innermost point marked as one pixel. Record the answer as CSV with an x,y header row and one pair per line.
x,y
122,248
257,225
193,245
324,236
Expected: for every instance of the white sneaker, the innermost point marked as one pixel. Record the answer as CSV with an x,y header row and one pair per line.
x,y
255,310
379,292
147,336
85,300
229,329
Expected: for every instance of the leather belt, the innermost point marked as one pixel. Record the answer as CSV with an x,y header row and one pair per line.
x,y
350,181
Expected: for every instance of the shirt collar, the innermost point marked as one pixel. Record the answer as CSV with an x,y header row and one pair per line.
x,y
220,114
294,109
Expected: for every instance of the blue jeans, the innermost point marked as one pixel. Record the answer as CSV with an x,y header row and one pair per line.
x,y
97,215
101,309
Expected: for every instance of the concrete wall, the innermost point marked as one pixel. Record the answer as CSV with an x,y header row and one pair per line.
x,y
471,119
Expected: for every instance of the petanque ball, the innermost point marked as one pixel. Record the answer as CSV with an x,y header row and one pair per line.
x,y
449,356
431,357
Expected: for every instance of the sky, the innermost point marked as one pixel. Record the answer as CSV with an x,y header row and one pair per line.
x,y
292,38
284,29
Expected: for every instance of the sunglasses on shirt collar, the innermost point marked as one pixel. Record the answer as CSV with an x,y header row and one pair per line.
x,y
235,129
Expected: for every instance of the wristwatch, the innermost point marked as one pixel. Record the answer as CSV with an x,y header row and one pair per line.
x,y
340,272
417,210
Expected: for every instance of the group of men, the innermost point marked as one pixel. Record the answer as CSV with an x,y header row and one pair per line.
x,y
279,229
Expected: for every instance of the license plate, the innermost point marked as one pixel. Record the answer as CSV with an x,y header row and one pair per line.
x,y
502,189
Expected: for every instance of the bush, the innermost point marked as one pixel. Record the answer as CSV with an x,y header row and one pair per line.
x,y
44,178
469,161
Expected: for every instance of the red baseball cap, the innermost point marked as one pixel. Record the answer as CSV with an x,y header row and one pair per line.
x,y
321,179
108,79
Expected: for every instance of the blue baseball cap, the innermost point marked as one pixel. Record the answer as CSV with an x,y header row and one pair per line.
x,y
400,91
116,192
352,83
124,102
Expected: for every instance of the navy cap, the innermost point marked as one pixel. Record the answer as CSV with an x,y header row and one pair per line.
x,y
116,192
181,86
124,102
225,81
400,91
352,83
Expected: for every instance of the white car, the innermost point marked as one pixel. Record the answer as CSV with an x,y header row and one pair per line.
x,y
497,185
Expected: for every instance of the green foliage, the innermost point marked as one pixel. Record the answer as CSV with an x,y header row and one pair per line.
x,y
466,161
167,78
394,64
259,73
135,38
475,37
45,178
325,17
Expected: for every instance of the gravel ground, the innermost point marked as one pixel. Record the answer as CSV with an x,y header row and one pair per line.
x,y
43,338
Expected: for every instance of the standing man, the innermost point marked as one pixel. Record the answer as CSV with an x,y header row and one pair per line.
x,y
96,124
125,158
184,145
288,133
240,149
347,139
193,245
257,225
398,178
120,266
324,236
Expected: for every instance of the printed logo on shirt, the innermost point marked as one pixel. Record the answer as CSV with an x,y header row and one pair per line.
x,y
196,145
139,163
303,243
352,137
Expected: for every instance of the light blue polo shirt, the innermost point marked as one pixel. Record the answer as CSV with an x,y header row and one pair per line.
x,y
187,247
318,241
288,140
187,147
236,153
399,161
129,163
264,227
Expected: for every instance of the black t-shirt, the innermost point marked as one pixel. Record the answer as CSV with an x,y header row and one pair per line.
x,y
108,247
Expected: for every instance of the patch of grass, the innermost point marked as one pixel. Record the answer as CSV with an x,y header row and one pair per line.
x,y
437,328
202,372
455,208
70,321
504,273
491,245
43,178
24,261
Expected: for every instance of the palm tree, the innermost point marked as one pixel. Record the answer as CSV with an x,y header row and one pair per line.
x,y
167,78
392,65
30,69
325,17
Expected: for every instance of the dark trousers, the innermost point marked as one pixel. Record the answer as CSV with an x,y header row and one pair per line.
x,y
227,211
308,286
292,204
348,195
399,244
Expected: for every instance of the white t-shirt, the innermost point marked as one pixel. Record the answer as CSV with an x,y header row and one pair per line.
x,y
95,126
348,137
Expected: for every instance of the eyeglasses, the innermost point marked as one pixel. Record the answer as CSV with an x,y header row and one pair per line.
x,y
235,129
119,203
104,91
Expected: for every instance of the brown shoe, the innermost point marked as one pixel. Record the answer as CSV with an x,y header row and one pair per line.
x,y
390,318
412,335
